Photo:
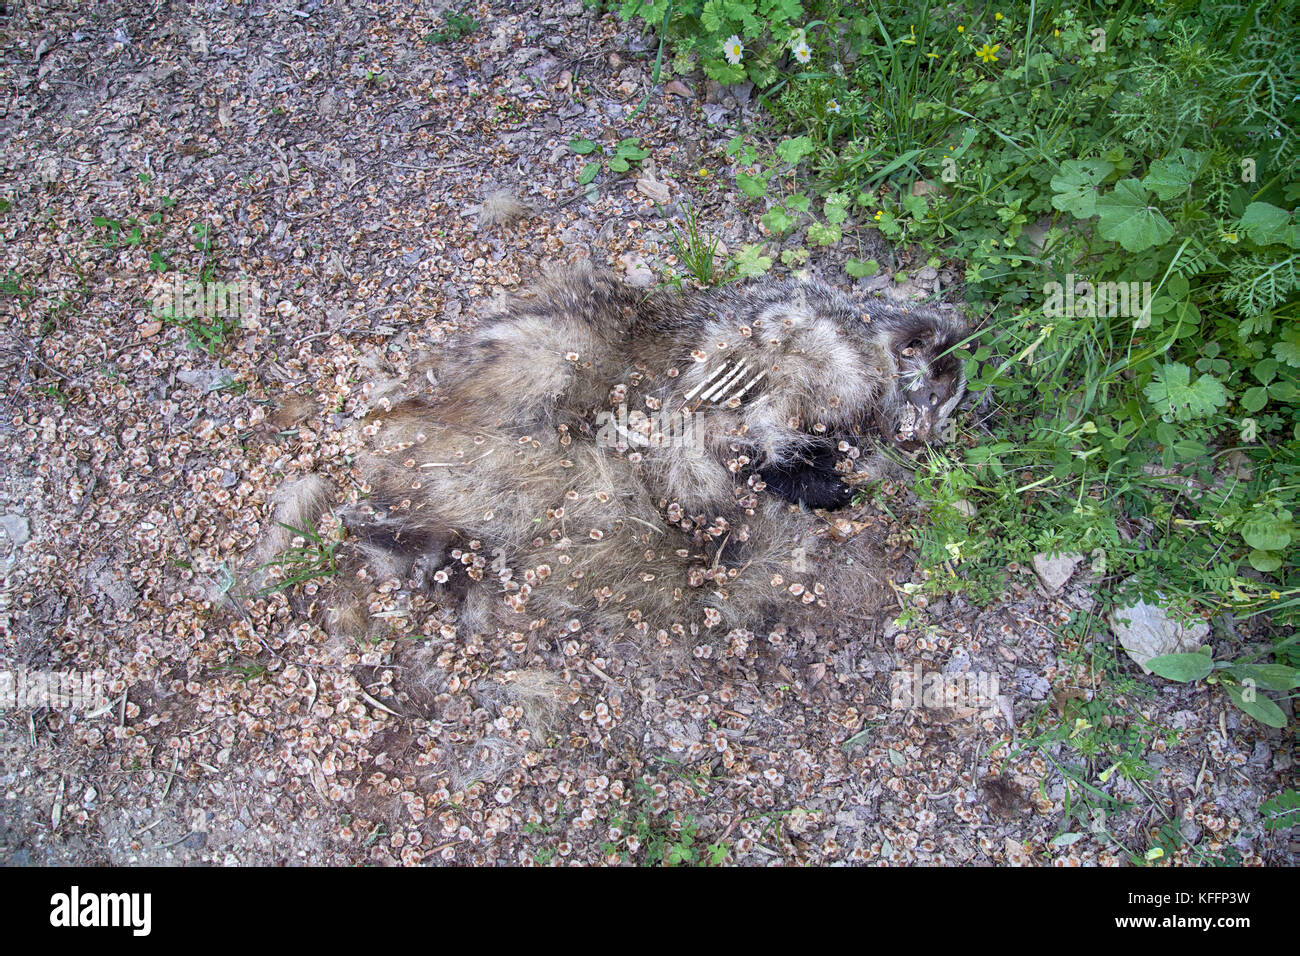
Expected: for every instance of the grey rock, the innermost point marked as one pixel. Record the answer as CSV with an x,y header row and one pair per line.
x,y
714,113
653,190
1055,570
17,527
638,273
121,593
542,69
1145,631
204,379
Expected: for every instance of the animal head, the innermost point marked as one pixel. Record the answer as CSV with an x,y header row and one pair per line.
x,y
928,379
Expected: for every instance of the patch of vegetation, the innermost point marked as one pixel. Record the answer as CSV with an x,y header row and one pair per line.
x,y
313,558
455,26
1118,182
697,251
652,839
1281,812
52,391
244,670
626,154
1243,680
11,286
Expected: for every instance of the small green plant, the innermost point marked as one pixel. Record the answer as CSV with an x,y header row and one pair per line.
x,y
455,25
734,40
11,285
627,153
203,331
1092,731
1281,812
1242,680
659,842
314,558
54,392
244,670
1168,839
697,251
233,387
544,856
115,232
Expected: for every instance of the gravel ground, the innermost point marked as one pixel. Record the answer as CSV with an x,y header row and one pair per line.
x,y
337,157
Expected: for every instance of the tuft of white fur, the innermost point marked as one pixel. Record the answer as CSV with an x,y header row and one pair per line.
x,y
502,208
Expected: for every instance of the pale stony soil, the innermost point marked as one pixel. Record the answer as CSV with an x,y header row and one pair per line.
x,y
338,160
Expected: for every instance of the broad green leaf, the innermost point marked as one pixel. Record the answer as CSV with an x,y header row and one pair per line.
x,y
1174,175
1265,562
755,187
1277,677
797,201
1265,223
1261,707
1075,186
631,149
1176,397
714,15
837,208
588,173
1182,667
725,73
1125,217
861,270
793,150
1287,348
582,146
1267,531
1284,392
750,261
1253,399
1265,371
823,235
777,220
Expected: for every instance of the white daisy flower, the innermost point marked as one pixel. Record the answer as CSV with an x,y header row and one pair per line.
x,y
733,49
802,52
833,106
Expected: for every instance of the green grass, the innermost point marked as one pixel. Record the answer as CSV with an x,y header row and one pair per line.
x,y
1145,144
697,250
314,559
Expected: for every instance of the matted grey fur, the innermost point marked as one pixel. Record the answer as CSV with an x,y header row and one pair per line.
x,y
596,455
